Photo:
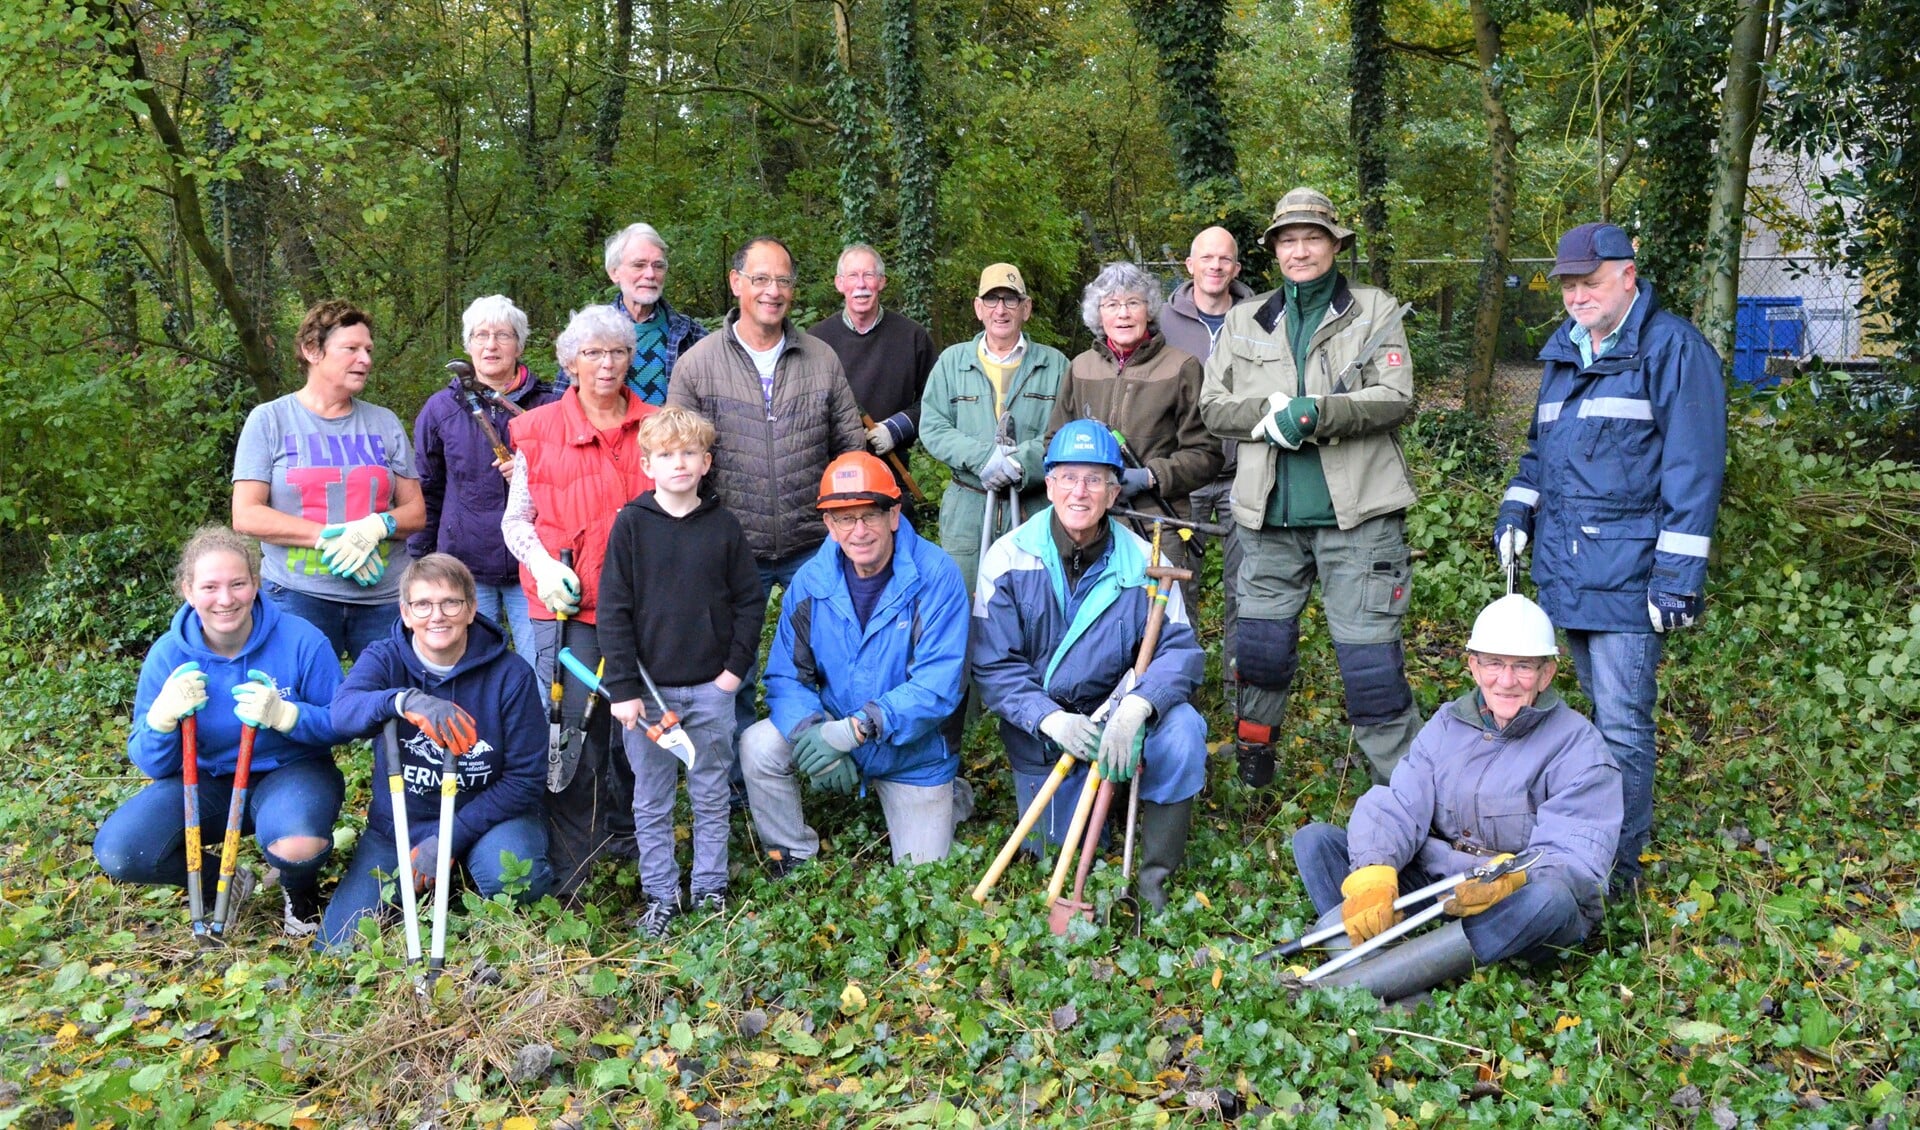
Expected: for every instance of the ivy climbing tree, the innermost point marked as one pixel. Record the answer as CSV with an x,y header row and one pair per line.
x,y
1188,38
1368,73
913,156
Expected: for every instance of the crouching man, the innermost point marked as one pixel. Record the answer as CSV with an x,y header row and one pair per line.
x,y
1058,616
1507,768
866,664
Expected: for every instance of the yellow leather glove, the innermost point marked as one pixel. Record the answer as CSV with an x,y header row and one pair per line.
x,y
1368,910
1476,895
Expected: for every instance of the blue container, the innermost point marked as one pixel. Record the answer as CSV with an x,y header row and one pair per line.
x,y
1765,326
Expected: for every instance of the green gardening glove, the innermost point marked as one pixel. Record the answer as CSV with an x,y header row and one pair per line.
x,y
1297,422
812,753
842,777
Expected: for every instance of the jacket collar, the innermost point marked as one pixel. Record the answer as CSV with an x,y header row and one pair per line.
x,y
580,431
485,642
1467,709
1182,300
1141,354
1626,347
1275,307
788,331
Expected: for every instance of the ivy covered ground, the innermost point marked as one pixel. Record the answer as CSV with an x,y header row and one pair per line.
x,y
1766,977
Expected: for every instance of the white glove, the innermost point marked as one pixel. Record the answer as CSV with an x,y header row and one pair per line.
x,y
1001,471
558,586
257,702
880,439
345,548
1512,543
1120,744
1076,734
184,693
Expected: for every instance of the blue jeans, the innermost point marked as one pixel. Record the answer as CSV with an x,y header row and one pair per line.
x,y
706,714
1531,923
350,628
1618,673
506,605
376,861
1173,767
145,839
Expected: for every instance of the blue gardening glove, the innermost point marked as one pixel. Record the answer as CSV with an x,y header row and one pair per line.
x,y
184,693
1670,610
812,753
1076,734
1133,480
1124,738
344,548
842,777
257,702
1001,471
1511,532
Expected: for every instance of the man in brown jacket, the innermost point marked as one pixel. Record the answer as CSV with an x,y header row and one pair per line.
x,y
1146,391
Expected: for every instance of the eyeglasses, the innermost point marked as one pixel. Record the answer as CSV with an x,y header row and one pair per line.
x,y
1122,305
1074,480
1521,668
843,522
1002,301
861,276
452,606
762,282
658,266
600,356
483,337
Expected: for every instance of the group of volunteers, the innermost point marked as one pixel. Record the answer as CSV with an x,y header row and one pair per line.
x,y
634,516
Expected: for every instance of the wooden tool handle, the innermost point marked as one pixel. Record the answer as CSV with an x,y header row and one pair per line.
x,y
1101,802
1027,820
1080,812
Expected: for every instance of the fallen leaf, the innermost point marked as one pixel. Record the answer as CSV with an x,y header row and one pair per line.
x,y
852,999
1695,1031
1565,1022
1065,1017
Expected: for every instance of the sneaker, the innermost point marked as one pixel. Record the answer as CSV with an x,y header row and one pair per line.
x,y
780,863
710,902
299,912
657,918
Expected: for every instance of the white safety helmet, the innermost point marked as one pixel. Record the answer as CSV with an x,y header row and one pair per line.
x,y
1512,625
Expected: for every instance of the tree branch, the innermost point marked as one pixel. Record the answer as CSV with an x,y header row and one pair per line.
x,y
1452,54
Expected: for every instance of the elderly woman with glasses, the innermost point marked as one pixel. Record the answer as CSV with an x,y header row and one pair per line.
x,y
465,453
1507,769
576,462
446,677
1147,391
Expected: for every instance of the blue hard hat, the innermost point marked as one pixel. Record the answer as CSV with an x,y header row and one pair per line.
x,y
1084,441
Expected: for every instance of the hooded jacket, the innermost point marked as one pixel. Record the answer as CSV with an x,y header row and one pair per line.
x,y
1545,782
297,656
769,457
1154,401
1038,648
1180,319
1620,484
679,594
504,775
465,494
903,669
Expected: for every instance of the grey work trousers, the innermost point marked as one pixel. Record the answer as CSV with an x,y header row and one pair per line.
x,y
920,818
706,715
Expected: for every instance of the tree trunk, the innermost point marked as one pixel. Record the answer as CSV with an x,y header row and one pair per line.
x,y
1367,76
1502,146
917,178
1732,160
852,133
613,96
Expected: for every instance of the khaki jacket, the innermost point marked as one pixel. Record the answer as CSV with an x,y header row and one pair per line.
x,y
1154,401
1360,408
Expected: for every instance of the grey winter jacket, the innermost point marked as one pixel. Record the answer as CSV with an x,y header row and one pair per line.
x,y
769,457
1180,320
1465,792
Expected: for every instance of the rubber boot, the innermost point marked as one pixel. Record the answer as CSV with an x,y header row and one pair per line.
x,y
1433,958
1163,847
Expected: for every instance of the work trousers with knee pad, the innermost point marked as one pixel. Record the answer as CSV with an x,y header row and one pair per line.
x,y
1366,584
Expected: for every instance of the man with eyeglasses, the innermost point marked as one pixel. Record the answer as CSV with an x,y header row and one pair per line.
x,y
866,664
1618,493
1508,768
1059,614
886,354
1313,380
636,262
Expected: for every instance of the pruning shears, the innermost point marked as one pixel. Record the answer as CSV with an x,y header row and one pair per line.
x,y
666,733
1492,869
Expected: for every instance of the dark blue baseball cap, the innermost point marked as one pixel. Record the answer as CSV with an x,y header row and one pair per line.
x,y
1583,249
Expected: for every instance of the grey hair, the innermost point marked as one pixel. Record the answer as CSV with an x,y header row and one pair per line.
x,y
617,242
879,264
1119,278
490,309
595,323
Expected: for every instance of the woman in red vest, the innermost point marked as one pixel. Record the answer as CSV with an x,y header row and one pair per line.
x,y
576,463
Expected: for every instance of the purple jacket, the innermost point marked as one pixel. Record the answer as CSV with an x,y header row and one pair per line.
x,y
465,494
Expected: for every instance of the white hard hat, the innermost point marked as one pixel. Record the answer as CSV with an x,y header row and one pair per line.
x,y
1512,625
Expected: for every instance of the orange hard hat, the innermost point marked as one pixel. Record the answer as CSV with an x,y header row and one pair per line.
x,y
857,479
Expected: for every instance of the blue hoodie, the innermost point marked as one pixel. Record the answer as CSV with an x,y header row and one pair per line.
x,y
504,776
303,666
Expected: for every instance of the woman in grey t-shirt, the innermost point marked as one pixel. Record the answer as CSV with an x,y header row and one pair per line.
x,y
326,482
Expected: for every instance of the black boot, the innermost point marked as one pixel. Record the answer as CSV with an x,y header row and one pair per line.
x,y
1432,959
1256,763
1163,846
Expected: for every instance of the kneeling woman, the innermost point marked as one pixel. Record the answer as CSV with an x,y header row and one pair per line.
x,y
446,675
259,667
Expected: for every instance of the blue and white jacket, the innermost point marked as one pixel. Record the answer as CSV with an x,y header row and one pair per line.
x,y
1620,484
903,670
1038,648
